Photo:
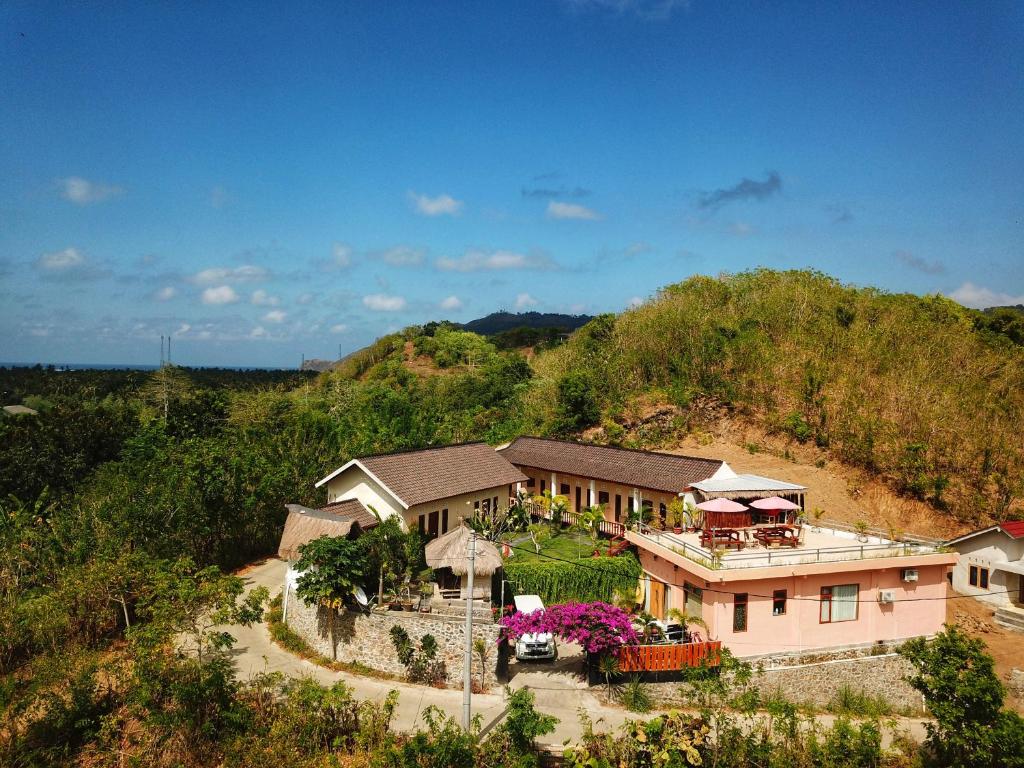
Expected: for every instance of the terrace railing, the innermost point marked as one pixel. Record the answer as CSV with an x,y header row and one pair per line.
x,y
763,557
606,527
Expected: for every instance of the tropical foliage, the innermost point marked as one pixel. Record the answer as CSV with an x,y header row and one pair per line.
x,y
596,578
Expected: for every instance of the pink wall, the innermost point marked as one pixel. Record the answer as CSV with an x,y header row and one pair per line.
x,y
800,627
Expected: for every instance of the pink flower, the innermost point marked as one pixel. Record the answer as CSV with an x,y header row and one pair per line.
x,y
597,627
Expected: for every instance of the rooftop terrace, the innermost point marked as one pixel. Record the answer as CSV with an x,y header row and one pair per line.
x,y
824,543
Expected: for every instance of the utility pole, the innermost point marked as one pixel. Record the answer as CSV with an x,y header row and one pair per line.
x,y
467,671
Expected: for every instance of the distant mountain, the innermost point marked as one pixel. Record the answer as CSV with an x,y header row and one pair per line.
x,y
498,322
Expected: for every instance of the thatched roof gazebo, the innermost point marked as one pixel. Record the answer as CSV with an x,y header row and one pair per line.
x,y
452,551
448,555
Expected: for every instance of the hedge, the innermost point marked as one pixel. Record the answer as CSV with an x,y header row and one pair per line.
x,y
590,580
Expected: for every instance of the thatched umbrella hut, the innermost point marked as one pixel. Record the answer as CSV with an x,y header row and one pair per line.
x,y
448,555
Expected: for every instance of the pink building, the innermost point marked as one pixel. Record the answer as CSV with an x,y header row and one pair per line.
x,y
822,589
834,592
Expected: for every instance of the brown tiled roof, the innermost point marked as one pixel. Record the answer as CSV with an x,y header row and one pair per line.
x,y
353,509
641,469
419,477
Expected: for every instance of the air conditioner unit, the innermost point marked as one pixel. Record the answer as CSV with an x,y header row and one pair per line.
x,y
909,574
886,596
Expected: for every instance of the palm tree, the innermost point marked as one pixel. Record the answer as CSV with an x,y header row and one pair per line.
x,y
685,620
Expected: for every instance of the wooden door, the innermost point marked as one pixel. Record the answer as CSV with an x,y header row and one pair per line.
x,y
657,599
1020,590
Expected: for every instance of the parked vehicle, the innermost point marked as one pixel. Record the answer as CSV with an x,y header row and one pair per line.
x,y
534,645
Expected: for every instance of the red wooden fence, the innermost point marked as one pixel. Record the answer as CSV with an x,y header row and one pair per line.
x,y
668,658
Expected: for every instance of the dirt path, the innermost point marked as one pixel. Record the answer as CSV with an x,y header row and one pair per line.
x,y
557,693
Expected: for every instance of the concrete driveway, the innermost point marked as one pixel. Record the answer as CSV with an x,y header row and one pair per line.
x,y
558,689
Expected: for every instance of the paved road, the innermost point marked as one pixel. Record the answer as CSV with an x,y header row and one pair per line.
x,y
556,692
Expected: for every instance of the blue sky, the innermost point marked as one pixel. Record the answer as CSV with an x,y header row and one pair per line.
x,y
265,183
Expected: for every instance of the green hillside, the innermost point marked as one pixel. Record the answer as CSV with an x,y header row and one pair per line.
x,y
920,390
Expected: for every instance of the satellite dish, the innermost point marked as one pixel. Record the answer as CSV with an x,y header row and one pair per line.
x,y
360,597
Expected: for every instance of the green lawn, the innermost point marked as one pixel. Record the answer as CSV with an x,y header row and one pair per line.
x,y
566,545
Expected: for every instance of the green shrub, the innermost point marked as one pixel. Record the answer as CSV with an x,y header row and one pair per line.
x,y
851,701
561,582
635,696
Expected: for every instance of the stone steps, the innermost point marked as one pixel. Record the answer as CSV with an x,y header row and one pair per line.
x,y
1010,618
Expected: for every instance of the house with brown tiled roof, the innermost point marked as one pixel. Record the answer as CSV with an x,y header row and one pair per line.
x,y
619,479
432,489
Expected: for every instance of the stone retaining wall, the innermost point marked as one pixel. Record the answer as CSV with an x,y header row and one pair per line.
x,y
818,682
366,638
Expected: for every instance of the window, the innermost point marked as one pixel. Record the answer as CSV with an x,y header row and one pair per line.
x,y
476,505
662,513
839,603
779,602
579,498
423,523
543,486
563,490
432,524
618,507
444,520
973,578
602,497
494,503
694,598
983,578
531,482
739,612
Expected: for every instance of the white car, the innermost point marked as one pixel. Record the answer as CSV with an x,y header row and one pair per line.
x,y
534,645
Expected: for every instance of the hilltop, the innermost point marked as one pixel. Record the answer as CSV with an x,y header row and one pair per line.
x,y
918,398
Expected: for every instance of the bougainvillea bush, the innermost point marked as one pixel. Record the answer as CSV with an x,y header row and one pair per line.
x,y
598,627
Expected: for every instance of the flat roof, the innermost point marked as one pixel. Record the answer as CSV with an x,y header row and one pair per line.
x,y
752,484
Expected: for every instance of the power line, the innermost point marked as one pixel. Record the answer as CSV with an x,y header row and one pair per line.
x,y
754,594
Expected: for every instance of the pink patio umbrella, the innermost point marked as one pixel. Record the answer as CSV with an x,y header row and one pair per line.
x,y
774,504
721,505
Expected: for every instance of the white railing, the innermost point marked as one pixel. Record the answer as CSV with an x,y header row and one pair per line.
x,y
760,558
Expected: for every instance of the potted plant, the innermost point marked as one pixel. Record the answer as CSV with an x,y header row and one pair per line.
x,y
677,514
861,526
817,513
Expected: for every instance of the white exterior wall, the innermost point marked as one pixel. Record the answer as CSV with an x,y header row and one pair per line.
x,y
459,507
354,483
985,551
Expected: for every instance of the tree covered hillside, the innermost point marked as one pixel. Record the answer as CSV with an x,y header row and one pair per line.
x,y
921,391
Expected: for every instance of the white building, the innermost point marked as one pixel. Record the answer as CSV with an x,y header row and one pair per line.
x,y
991,564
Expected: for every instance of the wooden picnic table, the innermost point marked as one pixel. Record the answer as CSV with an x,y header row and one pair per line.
x,y
721,537
783,535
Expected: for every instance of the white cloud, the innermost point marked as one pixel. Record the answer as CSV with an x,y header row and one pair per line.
x,y
475,261
69,258
339,328
263,299
275,316
341,256
381,302
401,256
452,302
524,300
634,302
979,297
244,274
436,206
68,266
559,210
259,332
306,298
224,294
166,293
84,192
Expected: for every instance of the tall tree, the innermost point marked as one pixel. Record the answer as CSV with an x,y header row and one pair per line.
x,y
332,568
